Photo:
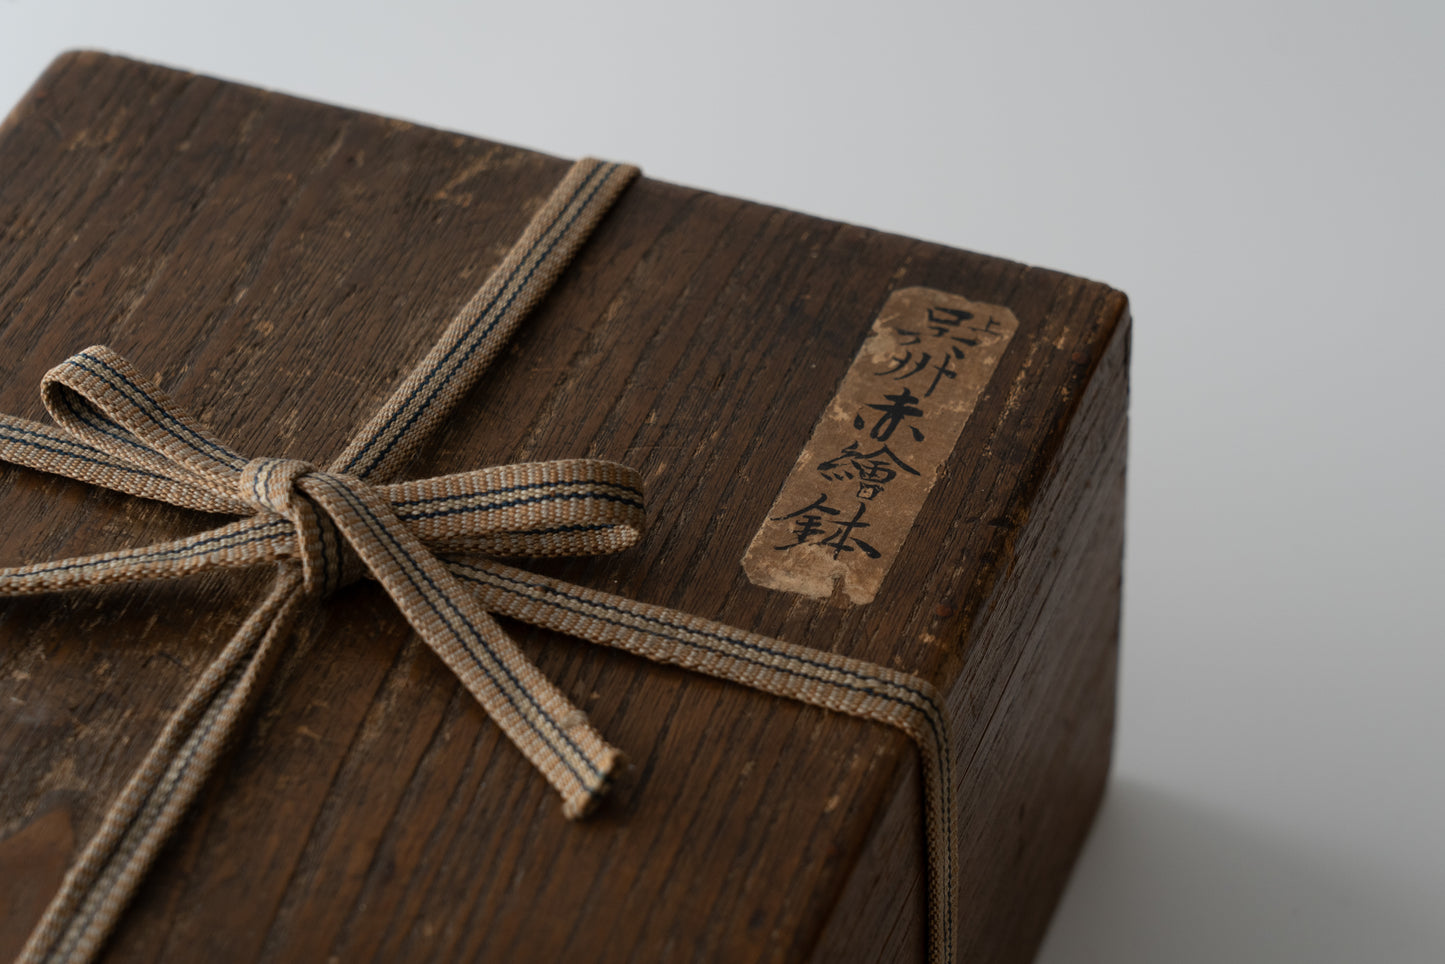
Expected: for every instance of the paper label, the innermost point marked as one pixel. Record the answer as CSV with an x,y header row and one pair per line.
x,y
850,501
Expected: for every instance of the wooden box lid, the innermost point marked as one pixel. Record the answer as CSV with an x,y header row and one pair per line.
x,y
277,265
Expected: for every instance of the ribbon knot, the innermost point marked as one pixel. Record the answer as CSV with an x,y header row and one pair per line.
x,y
326,563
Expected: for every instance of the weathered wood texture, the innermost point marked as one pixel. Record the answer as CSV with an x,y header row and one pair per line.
x,y
278,264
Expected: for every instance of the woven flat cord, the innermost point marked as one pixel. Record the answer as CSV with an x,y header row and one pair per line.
x,y
425,541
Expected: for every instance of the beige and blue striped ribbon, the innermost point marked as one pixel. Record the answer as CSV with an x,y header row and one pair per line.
x,y
428,543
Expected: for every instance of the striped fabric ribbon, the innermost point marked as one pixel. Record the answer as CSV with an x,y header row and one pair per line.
x,y
428,543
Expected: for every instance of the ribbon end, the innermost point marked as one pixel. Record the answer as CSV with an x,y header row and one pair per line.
x,y
586,799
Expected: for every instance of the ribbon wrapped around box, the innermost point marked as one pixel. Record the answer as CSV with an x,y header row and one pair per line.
x,y
116,430
433,544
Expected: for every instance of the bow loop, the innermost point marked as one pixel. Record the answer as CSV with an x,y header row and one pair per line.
x,y
98,397
569,507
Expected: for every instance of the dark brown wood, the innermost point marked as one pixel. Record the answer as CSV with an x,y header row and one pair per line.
x,y
278,264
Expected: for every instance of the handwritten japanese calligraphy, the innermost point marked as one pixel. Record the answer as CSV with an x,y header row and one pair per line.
x,y
846,509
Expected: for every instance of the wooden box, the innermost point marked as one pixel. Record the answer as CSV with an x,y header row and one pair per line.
x,y
277,265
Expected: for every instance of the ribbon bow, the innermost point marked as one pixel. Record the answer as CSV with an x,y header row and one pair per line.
x,y
325,528
330,528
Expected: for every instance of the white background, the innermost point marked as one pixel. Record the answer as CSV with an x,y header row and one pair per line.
x,y
1264,180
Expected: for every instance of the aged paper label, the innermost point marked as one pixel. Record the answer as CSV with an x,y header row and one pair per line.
x,y
851,499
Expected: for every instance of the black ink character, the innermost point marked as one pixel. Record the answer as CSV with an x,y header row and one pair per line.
x,y
903,405
809,523
880,467
940,320
943,370
904,362
809,520
843,535
943,320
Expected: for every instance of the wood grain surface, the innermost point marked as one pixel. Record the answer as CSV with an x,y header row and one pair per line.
x,y
278,264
